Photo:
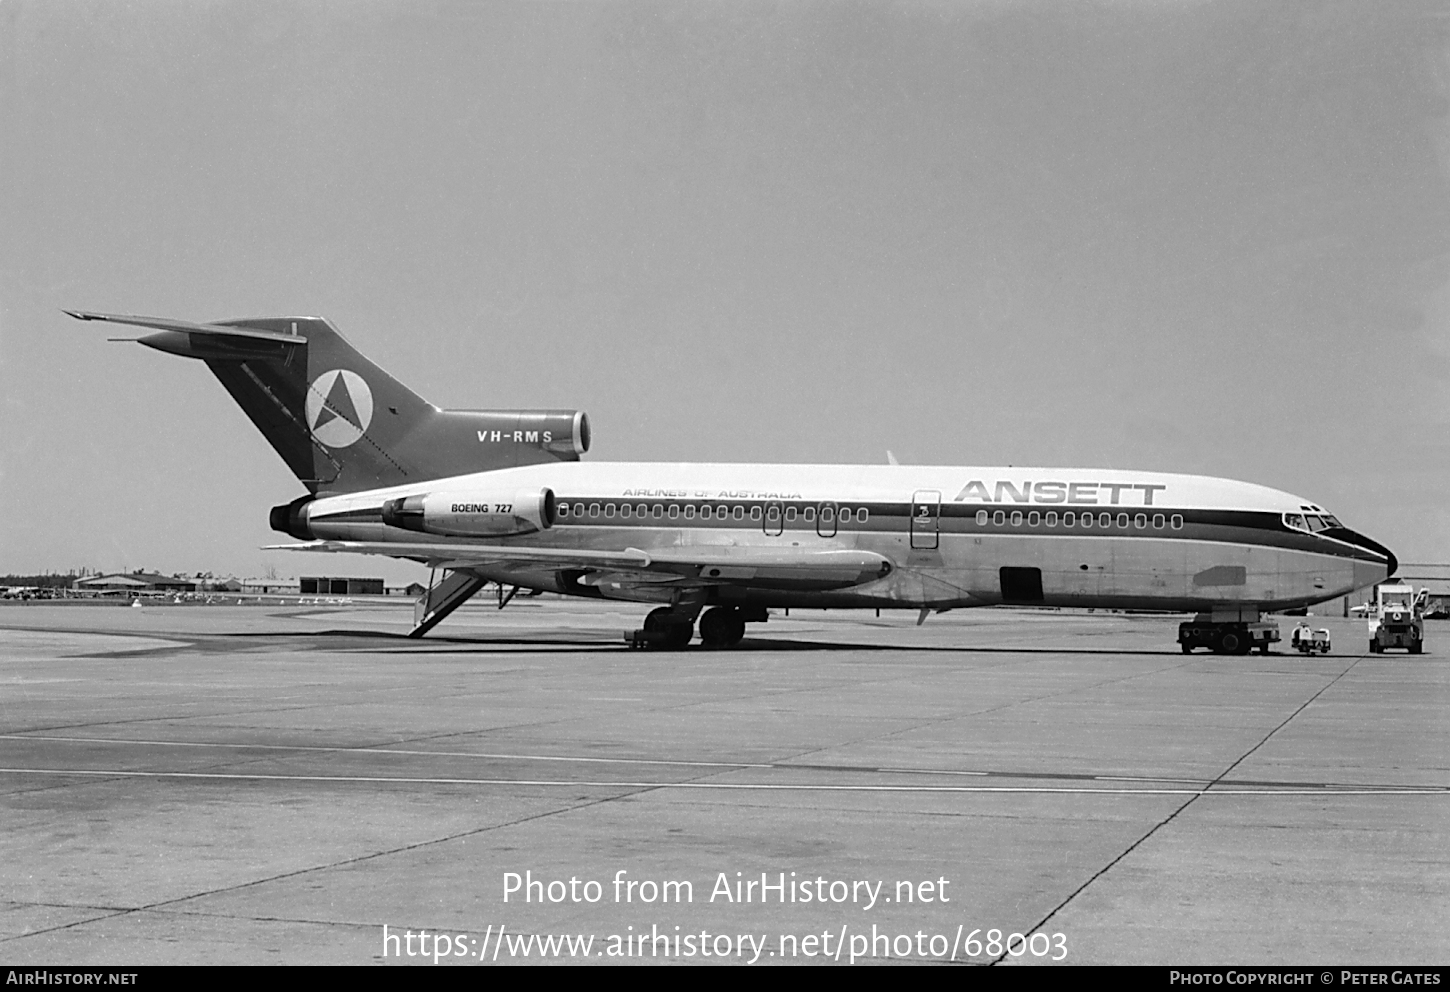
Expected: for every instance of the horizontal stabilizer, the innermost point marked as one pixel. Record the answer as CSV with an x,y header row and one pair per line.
x,y
167,324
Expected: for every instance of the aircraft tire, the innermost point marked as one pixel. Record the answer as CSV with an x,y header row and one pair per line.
x,y
721,627
677,632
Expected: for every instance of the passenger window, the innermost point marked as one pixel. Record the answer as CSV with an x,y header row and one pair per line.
x,y
1033,518
999,518
689,513
1140,521
624,510
1069,518
641,510
808,514
1177,521
1105,520
674,510
861,514
755,513
563,509
609,509
790,513
1051,518
1016,518
659,511
981,518
1158,521
1123,520
740,513
594,509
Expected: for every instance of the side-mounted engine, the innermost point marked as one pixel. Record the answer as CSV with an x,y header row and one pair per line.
x,y
476,513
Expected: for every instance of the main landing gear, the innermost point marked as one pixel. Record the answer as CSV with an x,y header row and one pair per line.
x,y
720,627
670,631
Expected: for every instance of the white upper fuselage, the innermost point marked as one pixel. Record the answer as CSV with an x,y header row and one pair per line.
x,y
956,536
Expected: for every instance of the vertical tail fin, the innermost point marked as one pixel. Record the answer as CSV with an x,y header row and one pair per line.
x,y
340,422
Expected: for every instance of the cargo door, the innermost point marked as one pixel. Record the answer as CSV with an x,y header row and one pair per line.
x,y
1021,585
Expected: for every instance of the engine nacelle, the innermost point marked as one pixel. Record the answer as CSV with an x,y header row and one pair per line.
x,y
478,513
563,433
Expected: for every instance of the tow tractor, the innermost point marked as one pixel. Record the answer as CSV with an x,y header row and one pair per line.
x,y
1397,618
1306,640
1228,632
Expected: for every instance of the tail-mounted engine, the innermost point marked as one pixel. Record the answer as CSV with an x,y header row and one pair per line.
x,y
478,513
507,434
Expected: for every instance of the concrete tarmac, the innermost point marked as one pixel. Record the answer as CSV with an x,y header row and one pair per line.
x,y
277,784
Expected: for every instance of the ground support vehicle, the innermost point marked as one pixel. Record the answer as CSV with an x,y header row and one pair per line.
x,y
1234,633
1307,641
1397,618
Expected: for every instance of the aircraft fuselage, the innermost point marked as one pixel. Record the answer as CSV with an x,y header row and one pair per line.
x,y
953,536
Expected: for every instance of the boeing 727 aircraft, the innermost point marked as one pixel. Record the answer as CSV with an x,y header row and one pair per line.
x,y
503,496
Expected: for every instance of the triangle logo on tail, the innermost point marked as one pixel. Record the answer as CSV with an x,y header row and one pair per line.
x,y
339,408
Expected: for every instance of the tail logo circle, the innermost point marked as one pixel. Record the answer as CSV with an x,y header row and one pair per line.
x,y
339,408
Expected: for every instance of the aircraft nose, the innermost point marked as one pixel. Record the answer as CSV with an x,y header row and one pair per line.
x,y
1369,569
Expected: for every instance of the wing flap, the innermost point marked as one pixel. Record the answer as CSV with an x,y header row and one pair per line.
x,y
701,564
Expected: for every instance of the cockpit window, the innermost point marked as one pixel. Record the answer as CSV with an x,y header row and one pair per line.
x,y
1313,523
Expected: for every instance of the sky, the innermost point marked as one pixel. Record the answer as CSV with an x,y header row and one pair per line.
x,y
1182,237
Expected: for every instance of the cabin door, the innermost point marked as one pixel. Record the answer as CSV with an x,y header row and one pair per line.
x,y
925,518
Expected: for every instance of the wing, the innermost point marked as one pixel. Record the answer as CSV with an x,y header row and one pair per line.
x,y
692,565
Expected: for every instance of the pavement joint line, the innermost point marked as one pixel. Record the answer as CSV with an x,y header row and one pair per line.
x,y
389,750
67,926
253,918
787,765
1209,790
313,868
1191,800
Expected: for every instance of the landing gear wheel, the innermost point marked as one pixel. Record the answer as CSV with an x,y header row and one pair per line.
x,y
722,627
677,632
